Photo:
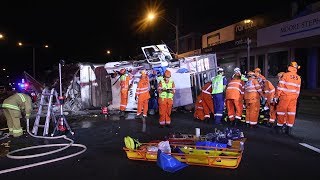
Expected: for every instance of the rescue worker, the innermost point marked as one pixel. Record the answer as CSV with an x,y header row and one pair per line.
x,y
268,95
219,83
234,98
287,94
15,107
166,91
142,94
259,76
153,101
269,92
124,88
207,101
198,109
238,71
252,94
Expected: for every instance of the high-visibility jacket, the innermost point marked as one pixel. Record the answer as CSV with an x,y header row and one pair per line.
x,y
163,87
252,90
143,88
20,102
289,85
235,89
268,90
207,88
260,76
217,84
124,82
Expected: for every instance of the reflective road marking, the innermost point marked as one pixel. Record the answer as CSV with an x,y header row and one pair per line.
x,y
310,147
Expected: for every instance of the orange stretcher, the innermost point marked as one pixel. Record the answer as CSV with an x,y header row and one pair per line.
x,y
194,155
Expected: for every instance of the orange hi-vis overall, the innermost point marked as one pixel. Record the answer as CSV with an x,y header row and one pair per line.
x,y
143,95
234,99
165,101
199,113
124,88
269,91
288,91
207,99
252,90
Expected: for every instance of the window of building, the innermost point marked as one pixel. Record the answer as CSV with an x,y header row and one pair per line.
x,y
244,64
277,62
261,59
251,68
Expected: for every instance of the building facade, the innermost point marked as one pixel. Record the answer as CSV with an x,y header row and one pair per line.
x,y
255,43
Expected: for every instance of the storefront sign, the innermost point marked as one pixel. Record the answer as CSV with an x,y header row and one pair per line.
x,y
298,28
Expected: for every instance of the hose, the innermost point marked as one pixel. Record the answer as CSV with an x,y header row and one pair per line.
x,y
66,145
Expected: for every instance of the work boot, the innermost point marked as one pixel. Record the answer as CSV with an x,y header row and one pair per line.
x,y
270,124
122,113
278,129
138,116
288,130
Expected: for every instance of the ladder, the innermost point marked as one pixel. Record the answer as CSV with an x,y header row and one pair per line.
x,y
45,103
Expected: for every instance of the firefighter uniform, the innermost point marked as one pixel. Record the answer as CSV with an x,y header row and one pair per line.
x,y
124,88
219,83
143,94
166,90
252,91
13,108
207,100
234,98
288,91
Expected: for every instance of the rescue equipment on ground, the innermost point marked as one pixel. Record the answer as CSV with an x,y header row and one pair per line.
x,y
169,163
189,149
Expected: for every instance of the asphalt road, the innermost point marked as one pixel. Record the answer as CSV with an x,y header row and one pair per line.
x,y
266,155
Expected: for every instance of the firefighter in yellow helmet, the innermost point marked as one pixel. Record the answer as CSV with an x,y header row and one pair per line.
x,y
14,107
166,91
287,94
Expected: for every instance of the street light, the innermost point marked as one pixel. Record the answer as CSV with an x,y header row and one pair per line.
x,y
33,57
151,16
108,52
1,36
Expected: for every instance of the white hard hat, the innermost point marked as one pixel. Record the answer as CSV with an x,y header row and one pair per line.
x,y
236,69
220,69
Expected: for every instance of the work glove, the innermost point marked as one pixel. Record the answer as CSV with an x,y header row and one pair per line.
x,y
95,84
276,100
263,101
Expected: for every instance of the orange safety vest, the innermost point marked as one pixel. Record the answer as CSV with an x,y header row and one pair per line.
x,y
235,89
143,89
207,88
289,85
252,89
124,82
268,90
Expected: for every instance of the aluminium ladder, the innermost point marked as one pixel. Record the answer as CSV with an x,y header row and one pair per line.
x,y
45,103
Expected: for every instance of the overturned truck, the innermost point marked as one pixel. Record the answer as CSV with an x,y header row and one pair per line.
x,y
99,84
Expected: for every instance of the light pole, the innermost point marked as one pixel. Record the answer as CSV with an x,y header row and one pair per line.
x,y
33,57
151,16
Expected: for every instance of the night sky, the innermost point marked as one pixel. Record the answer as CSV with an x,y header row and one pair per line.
x,y
82,31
